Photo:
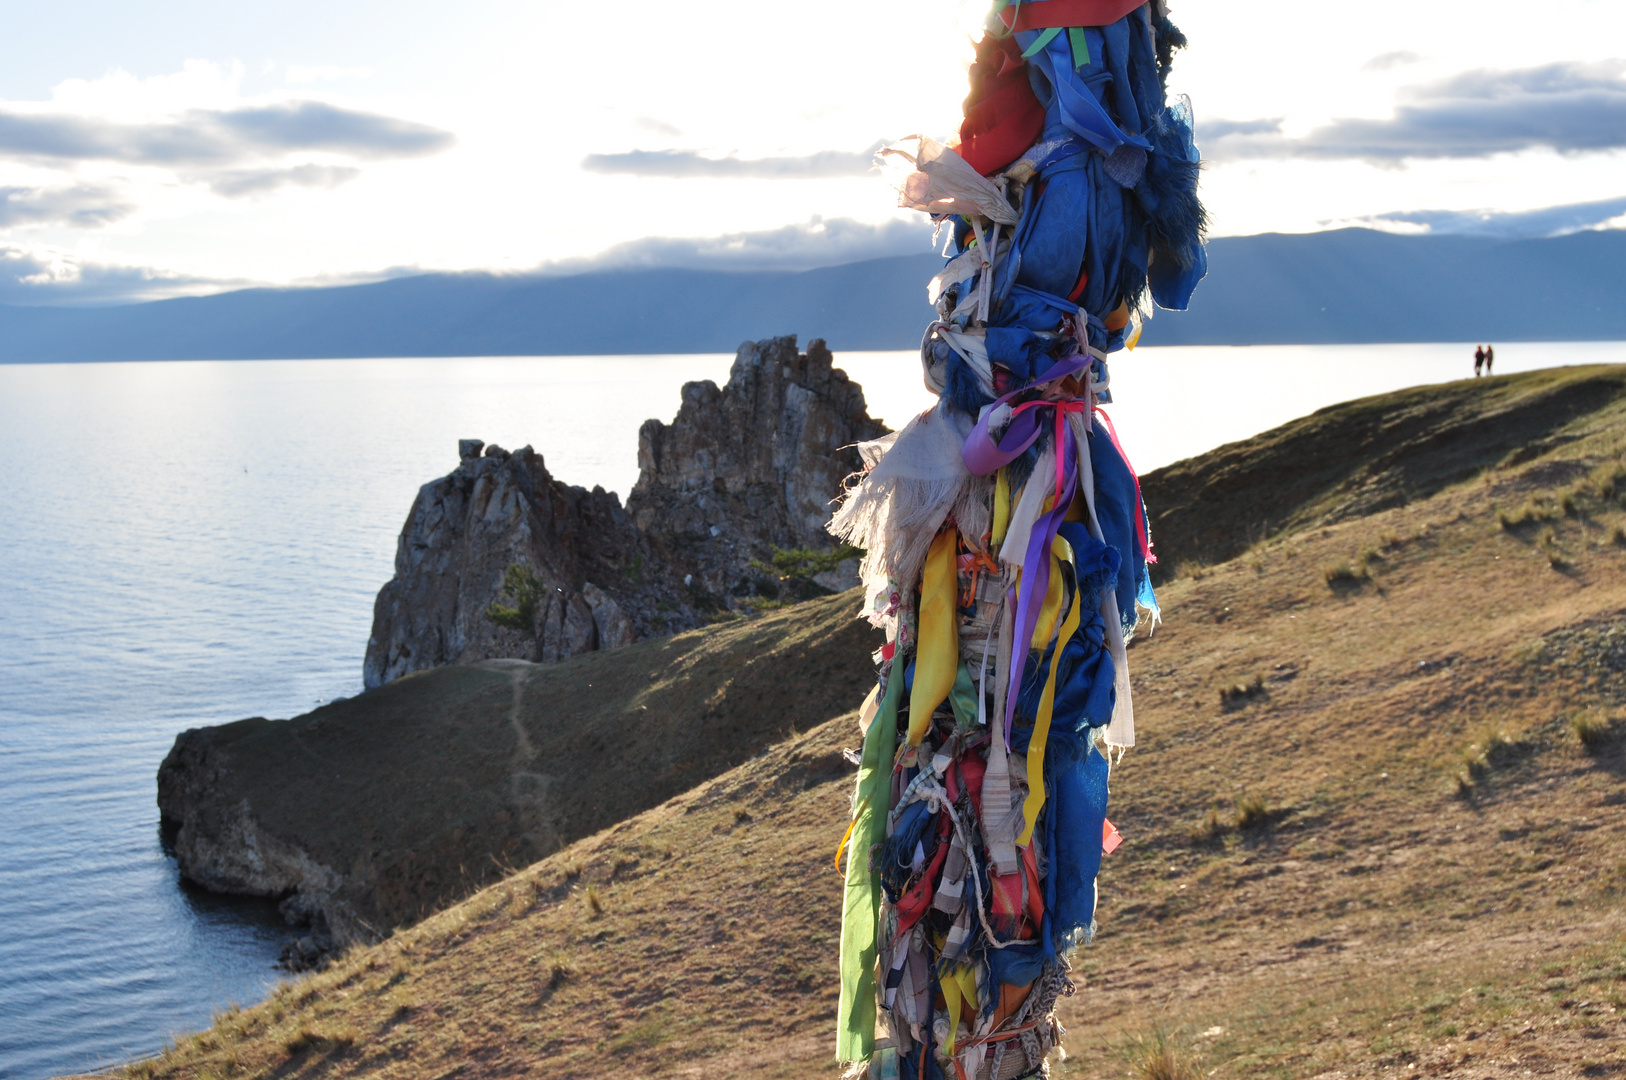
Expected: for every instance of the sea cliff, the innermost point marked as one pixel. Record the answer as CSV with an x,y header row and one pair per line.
x,y
741,470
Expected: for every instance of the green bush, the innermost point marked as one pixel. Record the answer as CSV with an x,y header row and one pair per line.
x,y
527,590
793,564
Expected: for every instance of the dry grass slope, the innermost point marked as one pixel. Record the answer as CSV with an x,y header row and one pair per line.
x,y
1400,850
430,787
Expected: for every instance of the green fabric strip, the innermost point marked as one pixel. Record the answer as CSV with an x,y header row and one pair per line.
x,y
1080,44
1040,42
963,699
861,906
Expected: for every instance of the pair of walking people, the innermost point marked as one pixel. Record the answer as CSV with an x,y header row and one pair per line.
x,y
1484,356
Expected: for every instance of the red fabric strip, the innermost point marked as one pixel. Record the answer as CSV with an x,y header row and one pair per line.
x,y
1040,14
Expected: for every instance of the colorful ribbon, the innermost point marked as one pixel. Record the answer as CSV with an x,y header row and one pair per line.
x,y
1041,14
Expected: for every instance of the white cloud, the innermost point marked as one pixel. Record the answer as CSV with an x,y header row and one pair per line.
x,y
693,165
1570,108
302,74
39,275
804,246
236,183
81,206
1509,225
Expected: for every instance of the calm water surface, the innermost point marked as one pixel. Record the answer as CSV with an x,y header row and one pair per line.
x,y
191,543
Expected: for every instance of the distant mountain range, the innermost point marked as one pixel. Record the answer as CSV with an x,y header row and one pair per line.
x,y
1344,286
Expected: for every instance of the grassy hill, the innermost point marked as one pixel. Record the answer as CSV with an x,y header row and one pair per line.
x,y
1374,826
385,807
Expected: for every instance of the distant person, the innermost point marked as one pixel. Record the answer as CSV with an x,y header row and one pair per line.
x,y
1479,359
1490,358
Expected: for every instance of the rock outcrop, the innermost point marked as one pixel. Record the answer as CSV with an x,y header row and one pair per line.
x,y
741,470
750,467
599,588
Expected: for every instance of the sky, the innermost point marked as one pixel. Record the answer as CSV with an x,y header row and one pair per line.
x,y
180,146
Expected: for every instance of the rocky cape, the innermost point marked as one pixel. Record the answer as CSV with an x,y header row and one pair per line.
x,y
371,812
740,471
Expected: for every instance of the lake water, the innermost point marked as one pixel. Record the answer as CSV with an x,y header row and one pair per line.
x,y
191,543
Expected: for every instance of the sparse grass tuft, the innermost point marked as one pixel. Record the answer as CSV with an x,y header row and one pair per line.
x,y
1238,693
1549,548
1212,830
319,1039
560,970
1591,729
1345,575
521,897
1252,812
1494,749
1609,479
1528,514
595,902
646,1034
1158,1056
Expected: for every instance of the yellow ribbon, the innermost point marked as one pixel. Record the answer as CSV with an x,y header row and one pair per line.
x,y
958,985
1050,611
1002,507
937,646
1041,723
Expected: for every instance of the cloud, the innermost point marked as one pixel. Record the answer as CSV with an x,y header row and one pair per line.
x,y
237,183
656,126
301,73
1219,129
219,137
84,206
1516,225
38,276
1385,61
691,164
1569,108
806,246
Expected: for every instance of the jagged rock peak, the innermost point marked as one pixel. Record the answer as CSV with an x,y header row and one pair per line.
x,y
493,511
751,466
739,471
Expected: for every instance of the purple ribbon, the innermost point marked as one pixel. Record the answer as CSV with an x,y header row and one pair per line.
x,y
983,453
1035,584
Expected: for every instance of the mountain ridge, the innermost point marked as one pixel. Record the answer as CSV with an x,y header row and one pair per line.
x,y
1340,286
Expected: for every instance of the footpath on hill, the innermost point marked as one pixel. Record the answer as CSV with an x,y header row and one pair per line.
x,y
1373,827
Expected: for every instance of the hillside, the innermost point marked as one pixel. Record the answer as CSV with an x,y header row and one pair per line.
x,y
1373,828
1342,286
1361,456
374,811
